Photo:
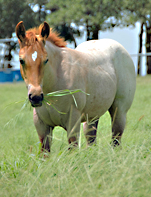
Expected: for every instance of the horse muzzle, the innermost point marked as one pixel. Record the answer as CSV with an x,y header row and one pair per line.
x,y
36,101
35,96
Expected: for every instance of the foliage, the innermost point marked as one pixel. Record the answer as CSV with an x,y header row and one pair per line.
x,y
98,170
140,11
11,12
59,18
94,15
40,11
134,12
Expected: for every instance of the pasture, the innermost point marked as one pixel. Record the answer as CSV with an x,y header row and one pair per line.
x,y
94,171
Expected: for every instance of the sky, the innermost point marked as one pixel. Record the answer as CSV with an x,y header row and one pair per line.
x,y
128,37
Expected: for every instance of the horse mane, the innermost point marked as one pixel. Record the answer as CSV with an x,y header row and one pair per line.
x,y
53,37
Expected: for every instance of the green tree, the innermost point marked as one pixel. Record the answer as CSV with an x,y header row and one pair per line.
x,y
94,15
11,12
40,9
60,18
140,11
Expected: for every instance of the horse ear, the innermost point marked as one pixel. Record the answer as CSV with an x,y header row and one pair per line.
x,y
45,30
20,31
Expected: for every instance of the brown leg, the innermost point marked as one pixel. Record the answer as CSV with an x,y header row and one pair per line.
x,y
118,125
44,132
46,141
90,131
72,140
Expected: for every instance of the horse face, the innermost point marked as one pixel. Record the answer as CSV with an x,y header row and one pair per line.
x,y
33,58
32,63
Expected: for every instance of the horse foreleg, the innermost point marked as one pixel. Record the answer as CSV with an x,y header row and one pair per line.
x,y
90,130
44,132
118,118
46,141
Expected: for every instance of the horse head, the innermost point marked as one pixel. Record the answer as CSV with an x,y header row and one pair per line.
x,y
33,57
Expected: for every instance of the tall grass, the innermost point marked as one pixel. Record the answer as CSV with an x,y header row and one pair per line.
x,y
95,171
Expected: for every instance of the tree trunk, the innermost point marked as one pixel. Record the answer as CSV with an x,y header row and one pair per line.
x,y
148,48
140,47
75,44
72,36
88,30
95,34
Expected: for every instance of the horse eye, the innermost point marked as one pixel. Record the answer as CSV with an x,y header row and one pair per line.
x,y
45,62
22,62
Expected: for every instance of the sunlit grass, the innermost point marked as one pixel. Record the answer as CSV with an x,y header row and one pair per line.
x,y
95,171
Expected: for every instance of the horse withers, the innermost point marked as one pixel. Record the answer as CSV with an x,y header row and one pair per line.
x,y
101,68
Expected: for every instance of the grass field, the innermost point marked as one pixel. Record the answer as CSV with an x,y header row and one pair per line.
x,y
95,171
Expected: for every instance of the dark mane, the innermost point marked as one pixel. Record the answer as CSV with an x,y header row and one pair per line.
x,y
53,37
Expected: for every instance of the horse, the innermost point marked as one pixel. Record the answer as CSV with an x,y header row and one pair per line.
x,y
102,69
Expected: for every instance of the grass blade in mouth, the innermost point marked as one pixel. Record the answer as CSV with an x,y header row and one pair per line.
x,y
25,103
50,104
66,92
57,94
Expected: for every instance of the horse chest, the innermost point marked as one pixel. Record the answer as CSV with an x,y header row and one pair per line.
x,y
51,116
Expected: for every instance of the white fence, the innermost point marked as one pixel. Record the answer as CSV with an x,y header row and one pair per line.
x,y
15,62
4,51
143,62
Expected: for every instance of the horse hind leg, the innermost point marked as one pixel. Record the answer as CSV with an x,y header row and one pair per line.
x,y
90,131
118,118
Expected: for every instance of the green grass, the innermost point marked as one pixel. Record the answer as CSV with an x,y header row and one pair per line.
x,y
95,171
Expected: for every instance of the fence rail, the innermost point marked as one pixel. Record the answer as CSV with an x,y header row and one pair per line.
x,y
143,62
140,54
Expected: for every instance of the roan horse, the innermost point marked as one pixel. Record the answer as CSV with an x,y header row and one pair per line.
x,y
101,68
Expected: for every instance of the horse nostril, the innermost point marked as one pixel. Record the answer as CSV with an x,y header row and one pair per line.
x,y
29,96
36,98
42,97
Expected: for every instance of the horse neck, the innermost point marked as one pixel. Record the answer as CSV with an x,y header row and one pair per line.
x,y
50,74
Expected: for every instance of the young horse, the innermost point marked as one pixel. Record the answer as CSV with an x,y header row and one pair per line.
x,y
101,68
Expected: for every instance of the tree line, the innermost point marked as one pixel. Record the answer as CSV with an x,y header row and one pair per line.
x,y
72,17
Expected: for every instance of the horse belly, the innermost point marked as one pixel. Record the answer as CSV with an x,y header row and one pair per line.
x,y
100,99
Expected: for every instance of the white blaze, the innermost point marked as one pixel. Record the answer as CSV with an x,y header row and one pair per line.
x,y
34,56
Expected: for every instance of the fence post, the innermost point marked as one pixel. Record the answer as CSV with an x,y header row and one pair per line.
x,y
143,58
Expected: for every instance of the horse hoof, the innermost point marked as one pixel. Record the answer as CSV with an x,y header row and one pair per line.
x,y
115,143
